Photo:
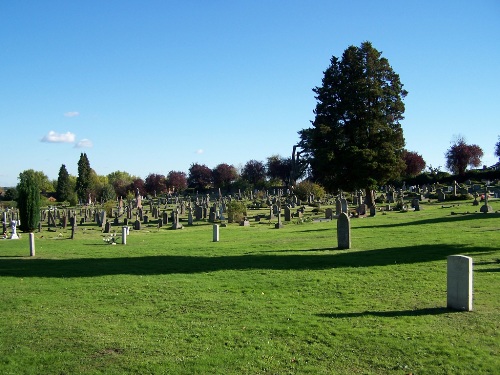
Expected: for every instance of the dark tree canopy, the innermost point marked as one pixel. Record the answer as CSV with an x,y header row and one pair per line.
x,y
137,184
155,183
254,172
460,155
223,175
64,188
83,181
279,168
415,163
356,140
200,177
28,200
177,181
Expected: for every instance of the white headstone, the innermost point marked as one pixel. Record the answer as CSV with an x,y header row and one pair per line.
x,y
32,244
459,282
216,233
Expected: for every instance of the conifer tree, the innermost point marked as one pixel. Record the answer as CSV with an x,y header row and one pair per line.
x,y
28,200
356,140
83,180
63,189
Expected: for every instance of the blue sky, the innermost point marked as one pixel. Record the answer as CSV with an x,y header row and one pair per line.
x,y
154,86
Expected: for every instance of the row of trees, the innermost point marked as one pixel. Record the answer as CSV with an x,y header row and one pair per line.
x,y
89,185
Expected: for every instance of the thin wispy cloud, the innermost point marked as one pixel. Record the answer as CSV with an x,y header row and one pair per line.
x,y
54,137
84,143
199,151
72,114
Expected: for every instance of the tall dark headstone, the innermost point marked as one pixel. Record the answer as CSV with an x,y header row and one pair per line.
x,y
343,231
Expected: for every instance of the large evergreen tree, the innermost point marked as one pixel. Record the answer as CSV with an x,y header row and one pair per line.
x,y
28,200
83,181
356,140
63,189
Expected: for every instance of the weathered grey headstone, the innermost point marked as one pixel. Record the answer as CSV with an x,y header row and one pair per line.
x,y
459,282
137,225
328,213
343,231
288,215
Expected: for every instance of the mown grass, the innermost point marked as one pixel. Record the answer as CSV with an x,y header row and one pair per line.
x,y
260,301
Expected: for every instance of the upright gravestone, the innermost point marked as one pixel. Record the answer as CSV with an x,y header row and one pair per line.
x,y
32,244
215,233
459,282
328,213
343,231
124,235
288,214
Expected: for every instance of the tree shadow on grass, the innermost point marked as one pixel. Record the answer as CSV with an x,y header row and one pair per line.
x,y
451,218
391,314
172,264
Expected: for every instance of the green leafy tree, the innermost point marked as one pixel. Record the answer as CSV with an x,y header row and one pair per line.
x,y
83,181
64,189
28,200
121,182
356,140
279,168
305,188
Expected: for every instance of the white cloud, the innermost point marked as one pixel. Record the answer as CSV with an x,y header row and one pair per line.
x,y
53,137
72,114
199,151
84,143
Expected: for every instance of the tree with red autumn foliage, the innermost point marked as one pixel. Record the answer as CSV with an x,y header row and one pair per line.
x,y
155,183
223,175
176,181
461,155
200,177
415,163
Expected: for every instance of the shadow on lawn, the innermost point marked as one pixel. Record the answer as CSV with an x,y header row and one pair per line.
x,y
170,264
391,314
451,218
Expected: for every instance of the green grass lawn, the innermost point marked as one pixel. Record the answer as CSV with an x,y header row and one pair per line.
x,y
260,301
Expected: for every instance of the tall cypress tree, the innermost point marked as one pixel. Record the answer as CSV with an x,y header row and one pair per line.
x,y
83,179
356,140
63,189
28,201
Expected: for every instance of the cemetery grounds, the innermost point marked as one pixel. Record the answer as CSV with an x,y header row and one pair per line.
x,y
259,301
